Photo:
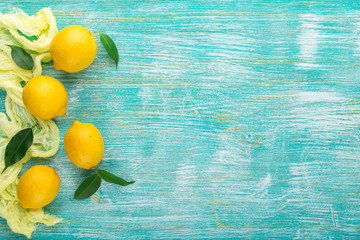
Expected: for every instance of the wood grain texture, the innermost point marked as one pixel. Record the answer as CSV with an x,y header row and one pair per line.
x,y
236,119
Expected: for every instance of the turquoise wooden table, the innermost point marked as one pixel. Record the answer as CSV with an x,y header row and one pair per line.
x,y
236,119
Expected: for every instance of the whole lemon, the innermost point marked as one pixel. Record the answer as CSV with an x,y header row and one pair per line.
x,y
73,49
37,187
45,97
84,145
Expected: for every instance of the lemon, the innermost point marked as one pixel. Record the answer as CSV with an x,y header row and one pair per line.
x,y
73,49
45,97
37,187
84,145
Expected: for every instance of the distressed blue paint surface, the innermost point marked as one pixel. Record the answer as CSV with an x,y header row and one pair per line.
x,y
237,119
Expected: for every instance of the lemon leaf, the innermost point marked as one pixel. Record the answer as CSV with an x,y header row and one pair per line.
x,y
21,58
88,187
18,146
111,178
110,47
30,38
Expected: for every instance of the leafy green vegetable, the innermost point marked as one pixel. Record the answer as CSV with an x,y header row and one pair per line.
x,y
111,178
21,58
88,187
31,38
110,48
18,146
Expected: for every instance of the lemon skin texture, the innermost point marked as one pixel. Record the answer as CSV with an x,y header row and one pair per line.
x,y
38,187
73,49
84,145
45,97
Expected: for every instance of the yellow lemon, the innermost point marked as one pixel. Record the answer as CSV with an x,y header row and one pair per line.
x,y
37,187
84,145
73,49
45,97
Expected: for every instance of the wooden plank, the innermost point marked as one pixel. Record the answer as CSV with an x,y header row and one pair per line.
x,y
236,119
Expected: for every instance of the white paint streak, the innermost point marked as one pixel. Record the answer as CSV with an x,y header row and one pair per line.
x,y
185,177
308,40
333,216
319,97
263,186
74,94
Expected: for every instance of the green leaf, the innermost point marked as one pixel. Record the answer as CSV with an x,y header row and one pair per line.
x,y
111,178
110,48
21,58
30,38
88,187
18,146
